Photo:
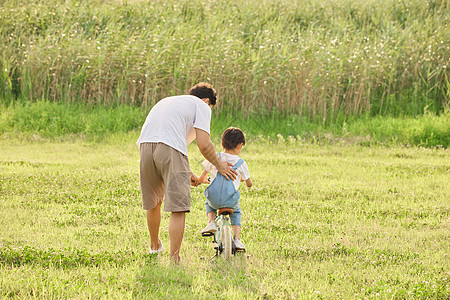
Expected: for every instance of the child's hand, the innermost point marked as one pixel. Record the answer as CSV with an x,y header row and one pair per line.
x,y
204,180
204,177
248,182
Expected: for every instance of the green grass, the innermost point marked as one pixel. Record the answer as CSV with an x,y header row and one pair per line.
x,y
316,58
53,120
321,222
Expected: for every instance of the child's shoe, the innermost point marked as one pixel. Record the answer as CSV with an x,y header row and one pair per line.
x,y
210,228
239,245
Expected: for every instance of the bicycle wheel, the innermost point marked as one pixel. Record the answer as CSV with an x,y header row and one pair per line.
x,y
226,242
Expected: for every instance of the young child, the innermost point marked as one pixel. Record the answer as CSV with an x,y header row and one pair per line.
x,y
232,141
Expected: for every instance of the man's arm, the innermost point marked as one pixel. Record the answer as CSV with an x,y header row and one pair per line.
x,y
207,149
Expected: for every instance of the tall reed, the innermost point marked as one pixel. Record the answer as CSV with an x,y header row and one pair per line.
x,y
316,58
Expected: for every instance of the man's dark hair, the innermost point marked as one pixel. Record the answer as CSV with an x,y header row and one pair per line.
x,y
232,137
204,90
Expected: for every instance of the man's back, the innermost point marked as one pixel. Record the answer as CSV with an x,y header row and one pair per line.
x,y
173,119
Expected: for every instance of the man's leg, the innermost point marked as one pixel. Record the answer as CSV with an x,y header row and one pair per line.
x,y
153,222
176,231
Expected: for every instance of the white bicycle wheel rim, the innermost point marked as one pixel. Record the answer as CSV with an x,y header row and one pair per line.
x,y
226,242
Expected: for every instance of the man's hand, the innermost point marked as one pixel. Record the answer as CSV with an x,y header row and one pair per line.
x,y
194,180
225,169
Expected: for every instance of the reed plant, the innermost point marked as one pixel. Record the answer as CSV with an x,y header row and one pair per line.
x,y
319,59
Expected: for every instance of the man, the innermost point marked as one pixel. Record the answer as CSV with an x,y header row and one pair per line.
x,y
172,124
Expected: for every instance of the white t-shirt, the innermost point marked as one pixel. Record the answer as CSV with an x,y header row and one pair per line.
x,y
173,120
233,159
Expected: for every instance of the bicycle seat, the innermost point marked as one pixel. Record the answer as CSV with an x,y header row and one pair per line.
x,y
225,211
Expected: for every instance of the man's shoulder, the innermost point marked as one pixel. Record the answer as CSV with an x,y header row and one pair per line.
x,y
185,103
181,97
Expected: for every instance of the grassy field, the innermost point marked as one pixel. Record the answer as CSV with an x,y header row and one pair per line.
x,y
345,104
321,222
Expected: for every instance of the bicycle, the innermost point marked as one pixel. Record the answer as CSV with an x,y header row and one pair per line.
x,y
223,238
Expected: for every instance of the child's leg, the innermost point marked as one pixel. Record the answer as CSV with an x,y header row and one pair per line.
x,y
210,212
236,230
236,222
211,216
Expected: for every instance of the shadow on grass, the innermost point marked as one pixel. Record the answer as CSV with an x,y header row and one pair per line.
x,y
217,279
230,279
159,281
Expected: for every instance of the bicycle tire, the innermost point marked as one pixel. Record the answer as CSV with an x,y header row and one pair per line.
x,y
226,242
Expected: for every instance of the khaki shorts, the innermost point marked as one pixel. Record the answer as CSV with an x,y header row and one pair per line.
x,y
165,173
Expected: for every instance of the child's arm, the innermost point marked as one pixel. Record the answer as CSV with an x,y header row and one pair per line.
x,y
204,177
248,182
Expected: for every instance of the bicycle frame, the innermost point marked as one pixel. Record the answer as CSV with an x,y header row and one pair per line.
x,y
222,223
222,238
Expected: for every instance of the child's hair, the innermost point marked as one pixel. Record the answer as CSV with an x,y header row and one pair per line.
x,y
204,90
232,137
